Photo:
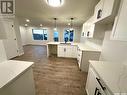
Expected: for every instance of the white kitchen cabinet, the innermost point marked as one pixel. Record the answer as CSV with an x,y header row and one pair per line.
x,y
119,31
94,85
83,58
61,51
98,10
88,28
83,30
91,84
79,57
69,51
106,10
16,78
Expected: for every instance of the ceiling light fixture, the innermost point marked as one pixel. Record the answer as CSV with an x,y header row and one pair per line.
x,y
55,28
26,25
41,25
55,3
69,24
27,20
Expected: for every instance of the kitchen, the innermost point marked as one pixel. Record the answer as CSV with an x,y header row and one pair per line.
x,y
81,53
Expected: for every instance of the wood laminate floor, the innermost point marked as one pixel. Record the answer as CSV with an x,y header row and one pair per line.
x,y
54,76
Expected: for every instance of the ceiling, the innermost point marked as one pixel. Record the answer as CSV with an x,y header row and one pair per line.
x,y
39,12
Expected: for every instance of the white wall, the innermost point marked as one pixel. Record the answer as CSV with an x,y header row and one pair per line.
x,y
112,50
23,35
27,37
3,56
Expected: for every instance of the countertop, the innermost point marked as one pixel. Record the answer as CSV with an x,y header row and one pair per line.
x,y
81,46
114,75
11,69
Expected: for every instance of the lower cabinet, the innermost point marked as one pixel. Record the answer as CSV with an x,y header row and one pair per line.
x,y
69,51
91,85
95,85
83,58
22,85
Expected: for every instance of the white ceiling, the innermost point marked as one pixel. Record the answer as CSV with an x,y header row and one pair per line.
x,y
39,12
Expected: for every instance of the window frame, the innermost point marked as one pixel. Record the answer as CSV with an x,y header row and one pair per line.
x,y
69,35
43,34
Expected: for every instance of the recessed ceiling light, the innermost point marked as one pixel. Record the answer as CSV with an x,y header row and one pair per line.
x,y
41,25
26,25
27,20
55,3
69,24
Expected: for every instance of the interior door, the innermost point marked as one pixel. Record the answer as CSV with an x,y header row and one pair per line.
x,y
11,42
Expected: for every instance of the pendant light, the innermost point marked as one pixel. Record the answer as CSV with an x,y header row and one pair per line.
x,y
55,27
71,28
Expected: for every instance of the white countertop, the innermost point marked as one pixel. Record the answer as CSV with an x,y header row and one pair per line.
x,y
114,75
9,70
82,46
85,47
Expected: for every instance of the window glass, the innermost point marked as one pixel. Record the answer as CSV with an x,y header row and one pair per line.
x,y
56,36
71,35
40,34
68,35
45,34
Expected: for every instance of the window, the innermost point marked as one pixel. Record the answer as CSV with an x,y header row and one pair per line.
x,y
40,34
56,36
68,35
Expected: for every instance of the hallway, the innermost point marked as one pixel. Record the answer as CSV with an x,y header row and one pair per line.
x,y
54,76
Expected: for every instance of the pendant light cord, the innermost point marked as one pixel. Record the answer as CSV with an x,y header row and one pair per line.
x,y
72,23
55,23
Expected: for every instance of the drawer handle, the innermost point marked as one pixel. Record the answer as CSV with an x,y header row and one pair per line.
x,y
98,80
96,91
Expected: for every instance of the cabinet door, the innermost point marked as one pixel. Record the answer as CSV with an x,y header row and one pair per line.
x,y
73,50
120,29
83,32
107,8
91,86
67,51
61,51
98,10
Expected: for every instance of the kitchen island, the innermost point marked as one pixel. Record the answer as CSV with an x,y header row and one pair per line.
x,y
81,46
81,51
16,78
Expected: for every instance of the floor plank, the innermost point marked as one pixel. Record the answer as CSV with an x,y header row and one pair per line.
x,y
54,76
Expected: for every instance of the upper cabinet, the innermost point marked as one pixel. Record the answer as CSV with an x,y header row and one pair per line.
x,y
120,29
88,28
98,11
106,10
